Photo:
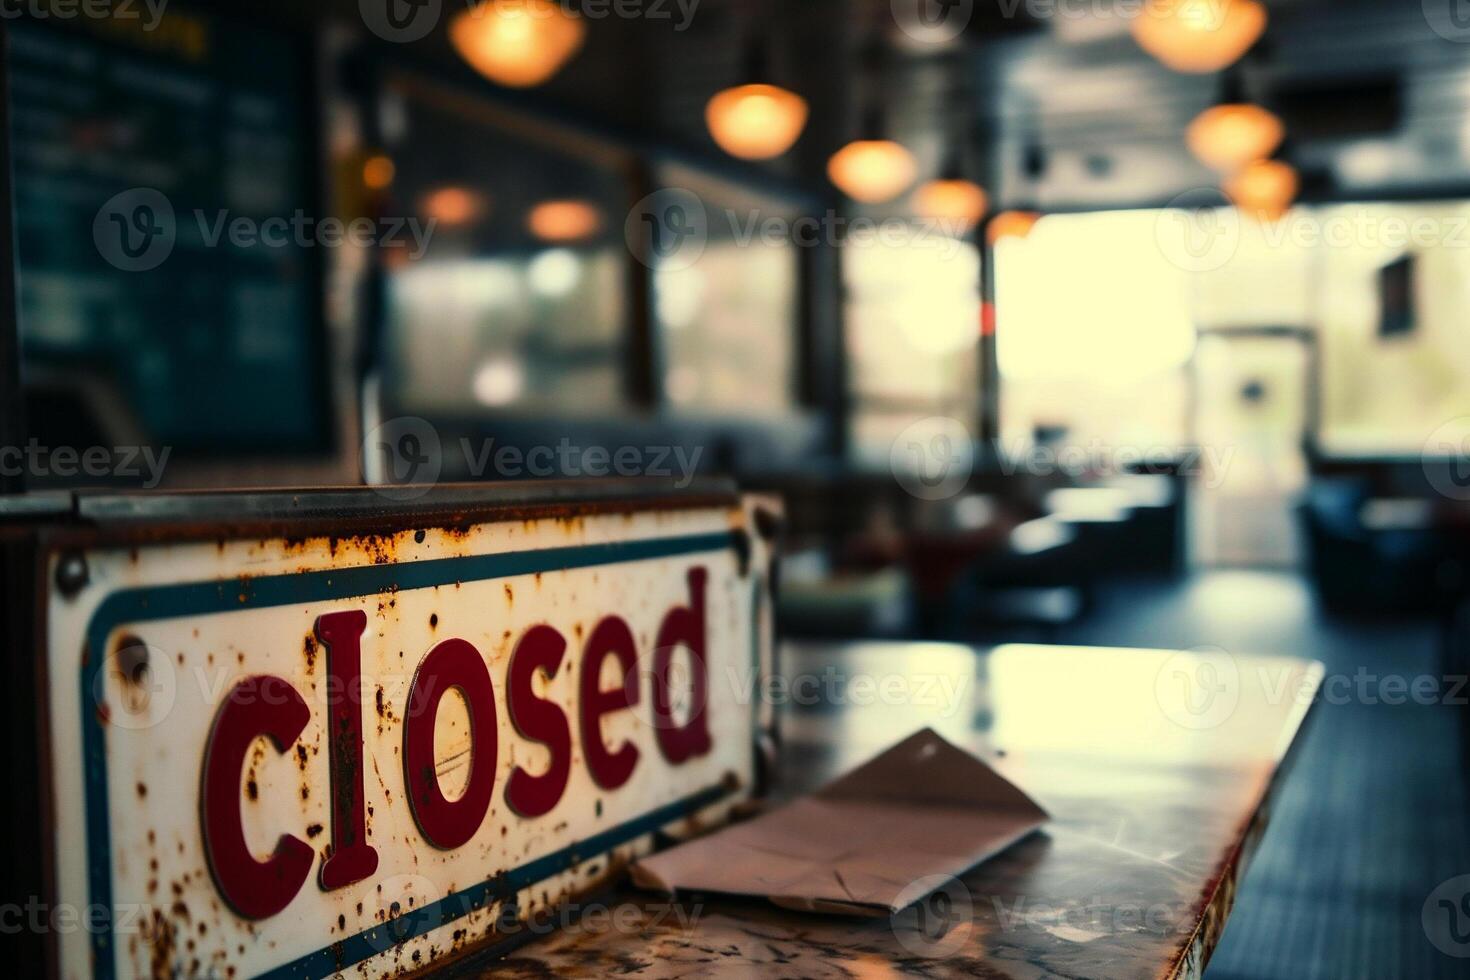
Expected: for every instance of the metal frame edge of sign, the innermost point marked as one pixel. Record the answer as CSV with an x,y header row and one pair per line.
x,y
213,596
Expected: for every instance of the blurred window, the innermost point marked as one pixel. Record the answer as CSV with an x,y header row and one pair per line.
x,y
519,301
1394,300
142,316
1096,322
1094,333
913,326
727,322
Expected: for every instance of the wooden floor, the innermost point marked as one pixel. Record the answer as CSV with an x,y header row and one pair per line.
x,y
1374,815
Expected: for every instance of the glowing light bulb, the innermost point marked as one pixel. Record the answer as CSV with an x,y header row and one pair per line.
x,y
564,221
1011,224
1228,137
498,381
755,122
378,172
453,205
957,203
518,45
554,273
1264,189
872,171
1199,36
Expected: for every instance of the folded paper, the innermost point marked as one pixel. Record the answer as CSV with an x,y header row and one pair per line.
x,y
921,809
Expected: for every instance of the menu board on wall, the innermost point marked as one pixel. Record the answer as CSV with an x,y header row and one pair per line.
x,y
137,143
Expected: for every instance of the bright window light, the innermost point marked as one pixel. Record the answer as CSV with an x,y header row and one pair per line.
x,y
1092,296
499,381
555,272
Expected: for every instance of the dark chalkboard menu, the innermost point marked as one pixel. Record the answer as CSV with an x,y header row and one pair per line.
x,y
138,145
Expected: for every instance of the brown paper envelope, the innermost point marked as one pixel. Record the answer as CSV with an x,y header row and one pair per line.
x,y
921,809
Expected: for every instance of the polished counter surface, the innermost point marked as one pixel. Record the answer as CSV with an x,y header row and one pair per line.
x,y
1158,768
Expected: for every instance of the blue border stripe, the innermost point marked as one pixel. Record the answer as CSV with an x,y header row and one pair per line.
x,y
227,595
354,949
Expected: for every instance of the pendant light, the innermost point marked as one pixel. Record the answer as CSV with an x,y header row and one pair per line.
x,y
1016,223
954,201
520,44
872,169
1199,36
569,220
453,205
951,199
1227,136
1011,224
1264,189
755,120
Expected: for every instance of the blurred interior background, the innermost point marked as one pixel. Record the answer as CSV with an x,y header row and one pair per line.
x,y
1103,321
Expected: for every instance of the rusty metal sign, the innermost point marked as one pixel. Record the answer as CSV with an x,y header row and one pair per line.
x,y
361,741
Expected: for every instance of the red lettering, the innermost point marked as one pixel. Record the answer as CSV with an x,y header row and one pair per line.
x,y
611,638
350,857
540,649
255,707
447,824
683,626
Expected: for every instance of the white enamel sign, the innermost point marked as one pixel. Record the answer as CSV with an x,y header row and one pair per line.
x,y
364,755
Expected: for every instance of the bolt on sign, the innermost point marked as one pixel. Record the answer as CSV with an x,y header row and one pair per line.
x,y
322,734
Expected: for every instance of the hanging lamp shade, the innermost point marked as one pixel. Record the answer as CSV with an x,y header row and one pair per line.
x,y
1228,137
755,121
520,44
953,201
1199,36
453,205
1264,189
1011,224
564,221
872,170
